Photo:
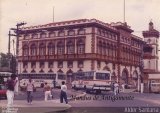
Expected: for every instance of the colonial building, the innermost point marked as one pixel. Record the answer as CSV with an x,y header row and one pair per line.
x,y
151,72
81,45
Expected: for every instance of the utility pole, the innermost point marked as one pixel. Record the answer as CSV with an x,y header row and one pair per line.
x,y
17,31
9,42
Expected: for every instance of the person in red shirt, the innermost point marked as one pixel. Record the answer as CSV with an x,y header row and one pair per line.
x,y
10,90
47,92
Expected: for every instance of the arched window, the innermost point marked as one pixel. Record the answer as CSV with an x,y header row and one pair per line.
x,y
113,51
43,35
35,36
104,48
71,32
109,50
52,35
100,47
124,76
25,50
149,64
81,31
60,48
61,33
98,31
51,49
80,47
70,47
42,49
33,50
26,36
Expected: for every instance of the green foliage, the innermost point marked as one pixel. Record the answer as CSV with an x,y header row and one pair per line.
x,y
8,61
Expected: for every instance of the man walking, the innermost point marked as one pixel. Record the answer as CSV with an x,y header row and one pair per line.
x,y
116,88
47,92
10,90
63,94
30,88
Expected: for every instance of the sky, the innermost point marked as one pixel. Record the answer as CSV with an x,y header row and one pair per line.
x,y
36,12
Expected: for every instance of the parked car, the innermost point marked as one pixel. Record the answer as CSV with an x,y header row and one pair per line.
x,y
3,91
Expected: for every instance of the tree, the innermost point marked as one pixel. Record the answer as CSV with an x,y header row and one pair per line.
x,y
7,62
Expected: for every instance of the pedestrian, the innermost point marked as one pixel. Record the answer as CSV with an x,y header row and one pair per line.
x,y
54,83
123,87
16,86
63,94
30,88
47,92
10,90
116,88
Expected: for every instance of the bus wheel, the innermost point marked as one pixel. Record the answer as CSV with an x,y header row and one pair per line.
x,y
87,91
98,91
74,87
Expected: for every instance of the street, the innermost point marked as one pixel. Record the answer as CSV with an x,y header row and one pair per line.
x,y
105,99
109,100
39,94
106,102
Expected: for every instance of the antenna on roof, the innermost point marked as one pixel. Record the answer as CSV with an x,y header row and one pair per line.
x,y
124,13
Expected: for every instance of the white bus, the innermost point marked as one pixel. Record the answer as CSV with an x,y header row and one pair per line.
x,y
39,79
4,76
155,86
93,81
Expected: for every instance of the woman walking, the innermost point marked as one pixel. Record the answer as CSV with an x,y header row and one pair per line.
x,y
30,88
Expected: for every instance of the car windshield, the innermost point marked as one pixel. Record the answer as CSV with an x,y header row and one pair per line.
x,y
2,87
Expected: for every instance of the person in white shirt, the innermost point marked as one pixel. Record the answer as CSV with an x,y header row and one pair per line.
x,y
30,88
16,86
123,87
63,94
116,88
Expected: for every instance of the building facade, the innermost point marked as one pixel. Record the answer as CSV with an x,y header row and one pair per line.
x,y
81,45
151,72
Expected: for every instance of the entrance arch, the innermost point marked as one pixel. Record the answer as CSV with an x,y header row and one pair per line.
x,y
125,76
70,77
135,78
114,77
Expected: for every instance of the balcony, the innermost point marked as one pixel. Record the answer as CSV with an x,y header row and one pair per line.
x,y
85,56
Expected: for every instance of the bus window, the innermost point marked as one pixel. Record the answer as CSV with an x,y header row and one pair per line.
x,y
61,76
153,81
79,76
103,76
154,85
88,75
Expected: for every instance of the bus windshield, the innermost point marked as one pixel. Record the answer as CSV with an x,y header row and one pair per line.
x,y
61,76
102,76
84,75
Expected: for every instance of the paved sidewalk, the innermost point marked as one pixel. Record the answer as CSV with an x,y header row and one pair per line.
x,y
37,106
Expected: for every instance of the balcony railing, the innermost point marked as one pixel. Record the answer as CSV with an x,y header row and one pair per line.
x,y
92,56
89,56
